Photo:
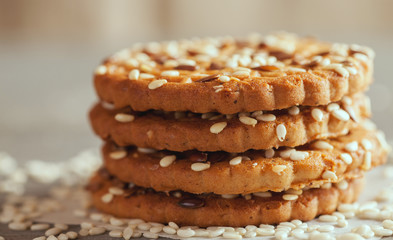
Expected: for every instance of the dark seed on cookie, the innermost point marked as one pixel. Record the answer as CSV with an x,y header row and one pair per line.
x,y
192,202
215,66
186,67
267,68
208,78
280,55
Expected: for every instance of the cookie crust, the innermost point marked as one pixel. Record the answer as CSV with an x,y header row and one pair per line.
x,y
217,211
165,131
263,75
248,176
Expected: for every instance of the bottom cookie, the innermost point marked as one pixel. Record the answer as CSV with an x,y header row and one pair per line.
x,y
120,199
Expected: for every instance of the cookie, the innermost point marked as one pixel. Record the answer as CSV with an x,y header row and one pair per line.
x,y
310,165
230,76
182,131
122,200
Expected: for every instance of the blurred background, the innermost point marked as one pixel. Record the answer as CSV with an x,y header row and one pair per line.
x,y
49,49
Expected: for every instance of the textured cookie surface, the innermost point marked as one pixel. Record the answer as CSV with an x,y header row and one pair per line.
x,y
253,171
213,210
231,76
182,131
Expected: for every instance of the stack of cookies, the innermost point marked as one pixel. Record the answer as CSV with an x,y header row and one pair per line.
x,y
220,131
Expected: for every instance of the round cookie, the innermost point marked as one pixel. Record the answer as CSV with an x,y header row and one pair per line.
x,y
182,131
229,76
213,210
310,165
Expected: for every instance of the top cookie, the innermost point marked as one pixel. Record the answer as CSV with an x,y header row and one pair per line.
x,y
230,76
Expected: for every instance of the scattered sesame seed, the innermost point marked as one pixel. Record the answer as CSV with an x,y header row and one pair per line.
x,y
157,84
146,150
97,231
185,233
229,196
218,127
116,233
17,226
262,194
317,114
338,68
197,167
287,153
116,191
367,145
169,230
124,118
53,231
332,107
281,132
39,226
127,233
327,218
343,184
167,160
367,161
241,73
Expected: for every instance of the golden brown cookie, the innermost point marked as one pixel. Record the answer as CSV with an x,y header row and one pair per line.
x,y
231,76
310,165
181,131
119,199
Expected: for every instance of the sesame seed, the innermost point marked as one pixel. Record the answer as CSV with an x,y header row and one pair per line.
x,y
167,160
333,106
146,76
229,196
146,150
17,226
269,153
322,145
52,231
39,226
100,70
116,191
325,228
107,198
346,158
241,73
262,194
279,168
52,237
329,175
294,191
367,161
327,218
62,226
281,132
116,233
361,57
247,196
352,146
118,154
343,184
317,114
341,115
169,230
170,73
127,233
97,231
86,225
231,235
235,161
367,145
134,74
290,197
186,233
352,70
173,225
248,121
224,79
84,232
293,110
298,155
197,167
187,80
157,83
287,153
266,117
123,117
338,68
218,127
